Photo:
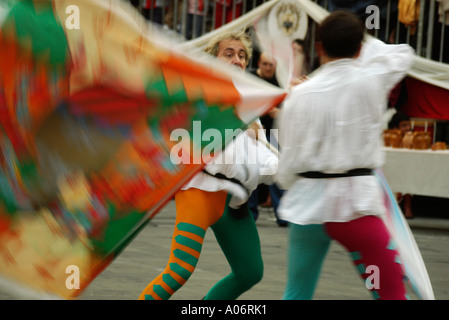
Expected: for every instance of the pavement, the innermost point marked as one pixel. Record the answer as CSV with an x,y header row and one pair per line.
x,y
429,223
147,255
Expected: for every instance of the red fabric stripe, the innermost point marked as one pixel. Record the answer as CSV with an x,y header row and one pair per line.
x,y
426,100
111,105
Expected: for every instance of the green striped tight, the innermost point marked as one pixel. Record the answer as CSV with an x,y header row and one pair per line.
x,y
196,211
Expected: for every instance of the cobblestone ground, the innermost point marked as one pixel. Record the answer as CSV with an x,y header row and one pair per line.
x,y
147,255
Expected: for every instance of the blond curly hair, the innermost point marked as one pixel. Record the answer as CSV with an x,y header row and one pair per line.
x,y
242,36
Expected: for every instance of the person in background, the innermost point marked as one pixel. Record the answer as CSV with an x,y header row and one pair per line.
x,y
195,18
301,61
266,70
400,121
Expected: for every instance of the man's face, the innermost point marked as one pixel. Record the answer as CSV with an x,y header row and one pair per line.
x,y
297,49
233,52
405,126
267,66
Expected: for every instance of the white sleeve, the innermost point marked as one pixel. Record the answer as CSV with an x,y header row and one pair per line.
x,y
391,61
289,125
268,162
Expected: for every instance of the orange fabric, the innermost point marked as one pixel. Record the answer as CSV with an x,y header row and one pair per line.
x,y
199,207
196,207
409,13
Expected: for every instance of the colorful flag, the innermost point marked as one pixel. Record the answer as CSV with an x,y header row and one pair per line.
x,y
411,259
89,96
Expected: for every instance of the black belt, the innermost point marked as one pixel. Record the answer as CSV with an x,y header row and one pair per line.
x,y
350,173
223,177
243,210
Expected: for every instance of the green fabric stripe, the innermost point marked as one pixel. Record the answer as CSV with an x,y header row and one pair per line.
x,y
375,294
7,195
42,28
180,271
192,244
391,245
149,297
221,118
186,257
161,292
361,268
116,230
171,282
355,255
187,227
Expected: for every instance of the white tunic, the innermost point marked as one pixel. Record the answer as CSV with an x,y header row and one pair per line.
x,y
333,123
245,159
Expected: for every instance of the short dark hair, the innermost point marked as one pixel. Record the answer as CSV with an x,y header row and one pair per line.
x,y
341,34
397,118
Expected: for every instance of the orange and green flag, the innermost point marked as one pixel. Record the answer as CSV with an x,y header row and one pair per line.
x,y
89,97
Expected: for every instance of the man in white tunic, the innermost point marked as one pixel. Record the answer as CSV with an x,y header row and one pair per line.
x,y
330,137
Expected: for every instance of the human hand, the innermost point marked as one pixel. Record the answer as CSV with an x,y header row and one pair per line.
x,y
299,80
253,130
273,113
